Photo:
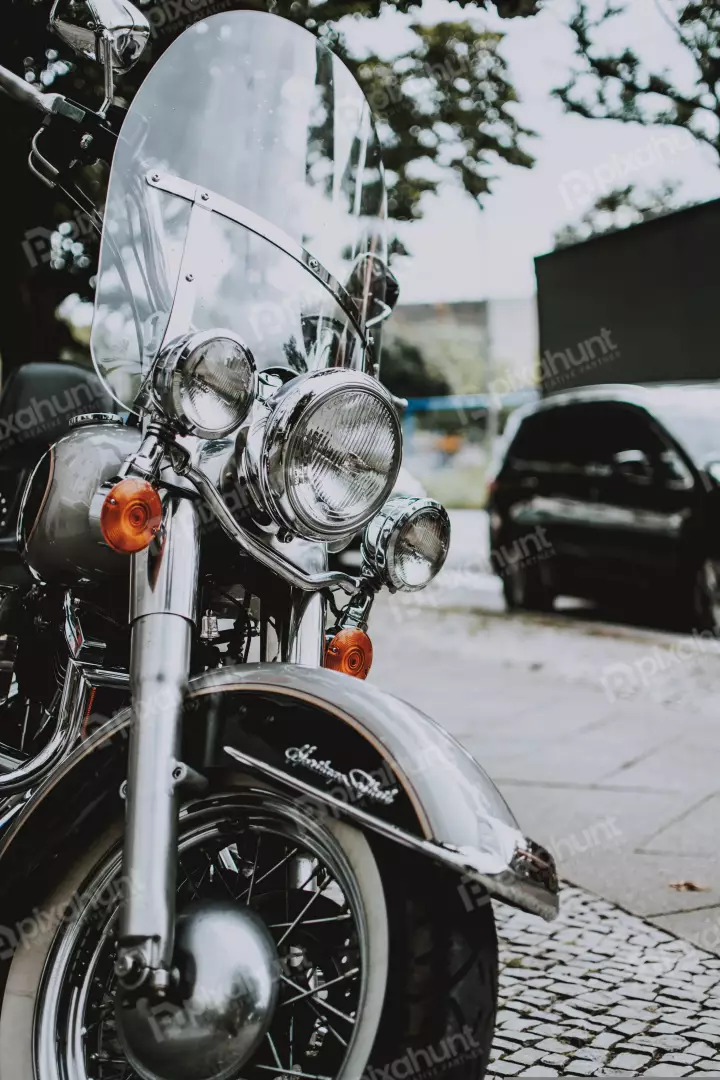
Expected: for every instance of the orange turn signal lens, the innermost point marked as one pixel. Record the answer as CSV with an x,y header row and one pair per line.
x,y
350,651
130,515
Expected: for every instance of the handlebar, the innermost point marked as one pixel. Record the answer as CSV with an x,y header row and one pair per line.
x,y
23,92
26,94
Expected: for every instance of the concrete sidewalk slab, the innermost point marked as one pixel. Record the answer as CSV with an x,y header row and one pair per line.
x,y
625,792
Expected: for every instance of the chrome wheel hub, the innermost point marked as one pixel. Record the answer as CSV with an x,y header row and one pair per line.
x,y
220,1010
272,951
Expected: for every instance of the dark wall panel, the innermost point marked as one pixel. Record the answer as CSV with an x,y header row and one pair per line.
x,y
640,305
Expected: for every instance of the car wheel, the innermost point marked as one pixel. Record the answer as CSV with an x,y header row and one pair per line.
x,y
526,588
702,609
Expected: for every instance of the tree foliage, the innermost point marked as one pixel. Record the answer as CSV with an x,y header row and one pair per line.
x,y
405,372
619,208
618,85
445,107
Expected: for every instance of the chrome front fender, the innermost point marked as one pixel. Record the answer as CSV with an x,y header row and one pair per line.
x,y
447,808
460,817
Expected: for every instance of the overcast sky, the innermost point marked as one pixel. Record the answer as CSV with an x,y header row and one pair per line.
x,y
461,253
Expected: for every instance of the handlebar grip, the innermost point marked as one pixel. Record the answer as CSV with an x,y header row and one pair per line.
x,y
24,92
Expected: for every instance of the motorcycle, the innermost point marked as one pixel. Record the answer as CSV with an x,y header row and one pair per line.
x,y
222,852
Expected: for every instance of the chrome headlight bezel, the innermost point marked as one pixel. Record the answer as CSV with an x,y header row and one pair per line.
x,y
270,442
173,369
381,537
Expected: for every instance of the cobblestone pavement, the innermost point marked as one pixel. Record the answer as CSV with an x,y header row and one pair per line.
x,y
600,992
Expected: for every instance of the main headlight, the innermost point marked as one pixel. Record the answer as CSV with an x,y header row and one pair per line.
x,y
326,457
206,382
407,543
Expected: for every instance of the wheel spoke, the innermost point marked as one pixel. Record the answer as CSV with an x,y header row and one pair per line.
x,y
296,1072
275,1054
312,922
307,907
323,986
255,866
285,859
320,1004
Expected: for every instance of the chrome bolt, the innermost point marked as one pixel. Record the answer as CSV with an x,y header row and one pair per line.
x,y
204,196
155,177
86,142
189,277
124,965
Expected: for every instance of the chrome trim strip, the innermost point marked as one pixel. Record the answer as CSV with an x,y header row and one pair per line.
x,y
519,883
210,200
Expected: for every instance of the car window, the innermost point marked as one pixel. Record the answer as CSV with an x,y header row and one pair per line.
x,y
622,427
557,437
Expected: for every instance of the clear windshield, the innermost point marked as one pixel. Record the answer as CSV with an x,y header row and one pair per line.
x,y
246,193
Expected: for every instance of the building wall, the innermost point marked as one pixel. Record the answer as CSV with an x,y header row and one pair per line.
x,y
472,343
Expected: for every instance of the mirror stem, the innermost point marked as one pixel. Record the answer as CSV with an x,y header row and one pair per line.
x,y
106,56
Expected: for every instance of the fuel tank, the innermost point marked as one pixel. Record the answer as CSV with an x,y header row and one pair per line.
x,y
55,538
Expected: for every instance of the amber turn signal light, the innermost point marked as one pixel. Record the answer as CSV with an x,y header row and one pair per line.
x,y
350,651
130,515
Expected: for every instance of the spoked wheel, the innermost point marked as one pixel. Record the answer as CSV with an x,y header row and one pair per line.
x,y
378,957
316,888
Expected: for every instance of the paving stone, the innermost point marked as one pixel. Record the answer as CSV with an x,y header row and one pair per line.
x,y
592,1053
702,1050
667,1070
524,1037
661,1042
631,1027
546,1030
554,1046
600,992
606,1039
582,1067
505,1068
681,1058
629,1061
526,1056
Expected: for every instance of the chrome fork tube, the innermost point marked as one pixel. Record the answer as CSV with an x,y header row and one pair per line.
x,y
163,592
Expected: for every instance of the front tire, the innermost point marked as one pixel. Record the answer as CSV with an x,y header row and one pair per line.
x,y
696,605
430,979
526,588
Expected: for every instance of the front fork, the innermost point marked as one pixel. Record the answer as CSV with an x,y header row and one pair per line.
x,y
163,612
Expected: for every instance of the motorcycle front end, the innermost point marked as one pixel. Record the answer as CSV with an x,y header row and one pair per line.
x,y
259,863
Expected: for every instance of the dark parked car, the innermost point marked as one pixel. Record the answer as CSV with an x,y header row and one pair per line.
x,y
612,493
